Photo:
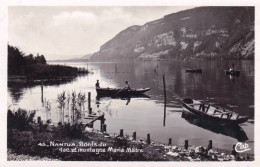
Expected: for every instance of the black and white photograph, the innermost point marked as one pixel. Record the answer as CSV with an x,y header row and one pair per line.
x,y
130,83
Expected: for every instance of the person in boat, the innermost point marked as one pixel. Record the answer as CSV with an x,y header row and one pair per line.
x,y
231,70
127,87
97,84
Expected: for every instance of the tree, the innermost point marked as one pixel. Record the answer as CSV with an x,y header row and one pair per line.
x,y
15,59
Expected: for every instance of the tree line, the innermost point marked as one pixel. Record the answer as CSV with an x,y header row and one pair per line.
x,y
17,60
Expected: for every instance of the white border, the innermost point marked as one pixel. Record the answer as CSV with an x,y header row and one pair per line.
x,y
3,77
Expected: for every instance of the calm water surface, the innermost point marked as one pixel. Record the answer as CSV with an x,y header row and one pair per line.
x,y
147,115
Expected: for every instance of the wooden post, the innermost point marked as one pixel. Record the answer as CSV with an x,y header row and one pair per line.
x,y
134,135
42,91
90,110
170,141
104,128
102,122
186,144
89,102
39,120
148,138
90,125
210,145
164,91
121,132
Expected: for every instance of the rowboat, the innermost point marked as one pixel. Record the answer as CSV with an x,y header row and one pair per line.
x,y
120,92
232,73
194,70
212,112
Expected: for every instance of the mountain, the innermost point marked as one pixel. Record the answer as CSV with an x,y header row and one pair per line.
x,y
87,56
204,32
78,59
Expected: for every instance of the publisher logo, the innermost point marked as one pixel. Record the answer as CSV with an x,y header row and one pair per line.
x,y
242,147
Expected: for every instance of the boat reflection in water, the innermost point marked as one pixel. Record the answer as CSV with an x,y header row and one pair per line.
x,y
234,131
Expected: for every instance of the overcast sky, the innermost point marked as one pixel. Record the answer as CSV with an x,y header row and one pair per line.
x,y
68,32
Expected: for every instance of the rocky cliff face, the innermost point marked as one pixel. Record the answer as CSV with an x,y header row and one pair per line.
x,y
205,32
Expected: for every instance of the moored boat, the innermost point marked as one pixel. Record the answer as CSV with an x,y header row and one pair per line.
x,y
194,70
212,112
120,92
232,73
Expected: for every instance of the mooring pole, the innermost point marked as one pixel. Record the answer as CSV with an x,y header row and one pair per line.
x,y
148,138
42,91
170,141
104,127
186,145
134,135
89,101
210,145
164,91
121,132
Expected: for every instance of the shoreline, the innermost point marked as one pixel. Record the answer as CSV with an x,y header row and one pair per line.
x,y
115,147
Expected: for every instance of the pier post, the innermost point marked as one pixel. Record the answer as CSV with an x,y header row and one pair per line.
x,y
134,135
210,145
164,92
170,141
89,100
104,127
102,122
121,132
148,138
91,125
39,120
164,89
42,91
186,145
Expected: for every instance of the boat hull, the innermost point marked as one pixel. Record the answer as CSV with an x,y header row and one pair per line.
x,y
232,73
187,107
120,92
194,70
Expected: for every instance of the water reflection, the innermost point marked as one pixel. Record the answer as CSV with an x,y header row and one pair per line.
x,y
16,88
234,131
126,98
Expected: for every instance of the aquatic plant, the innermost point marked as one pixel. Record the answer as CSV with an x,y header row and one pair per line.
x,y
81,100
73,105
61,100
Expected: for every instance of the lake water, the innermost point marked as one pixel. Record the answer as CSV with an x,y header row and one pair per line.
x,y
147,114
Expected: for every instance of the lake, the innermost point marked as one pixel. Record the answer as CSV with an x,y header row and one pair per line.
x,y
148,114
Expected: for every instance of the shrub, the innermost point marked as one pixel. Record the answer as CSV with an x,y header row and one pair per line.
x,y
21,119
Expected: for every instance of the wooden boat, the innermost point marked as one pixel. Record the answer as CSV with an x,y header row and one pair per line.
x,y
211,112
122,96
194,70
120,92
232,73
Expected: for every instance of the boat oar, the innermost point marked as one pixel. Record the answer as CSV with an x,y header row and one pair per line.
x,y
118,92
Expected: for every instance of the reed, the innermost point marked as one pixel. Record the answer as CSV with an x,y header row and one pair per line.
x,y
61,100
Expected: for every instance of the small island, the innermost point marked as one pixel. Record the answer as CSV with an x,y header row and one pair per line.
x,y
22,67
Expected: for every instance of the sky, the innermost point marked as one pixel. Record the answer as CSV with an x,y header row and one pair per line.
x,y
70,32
